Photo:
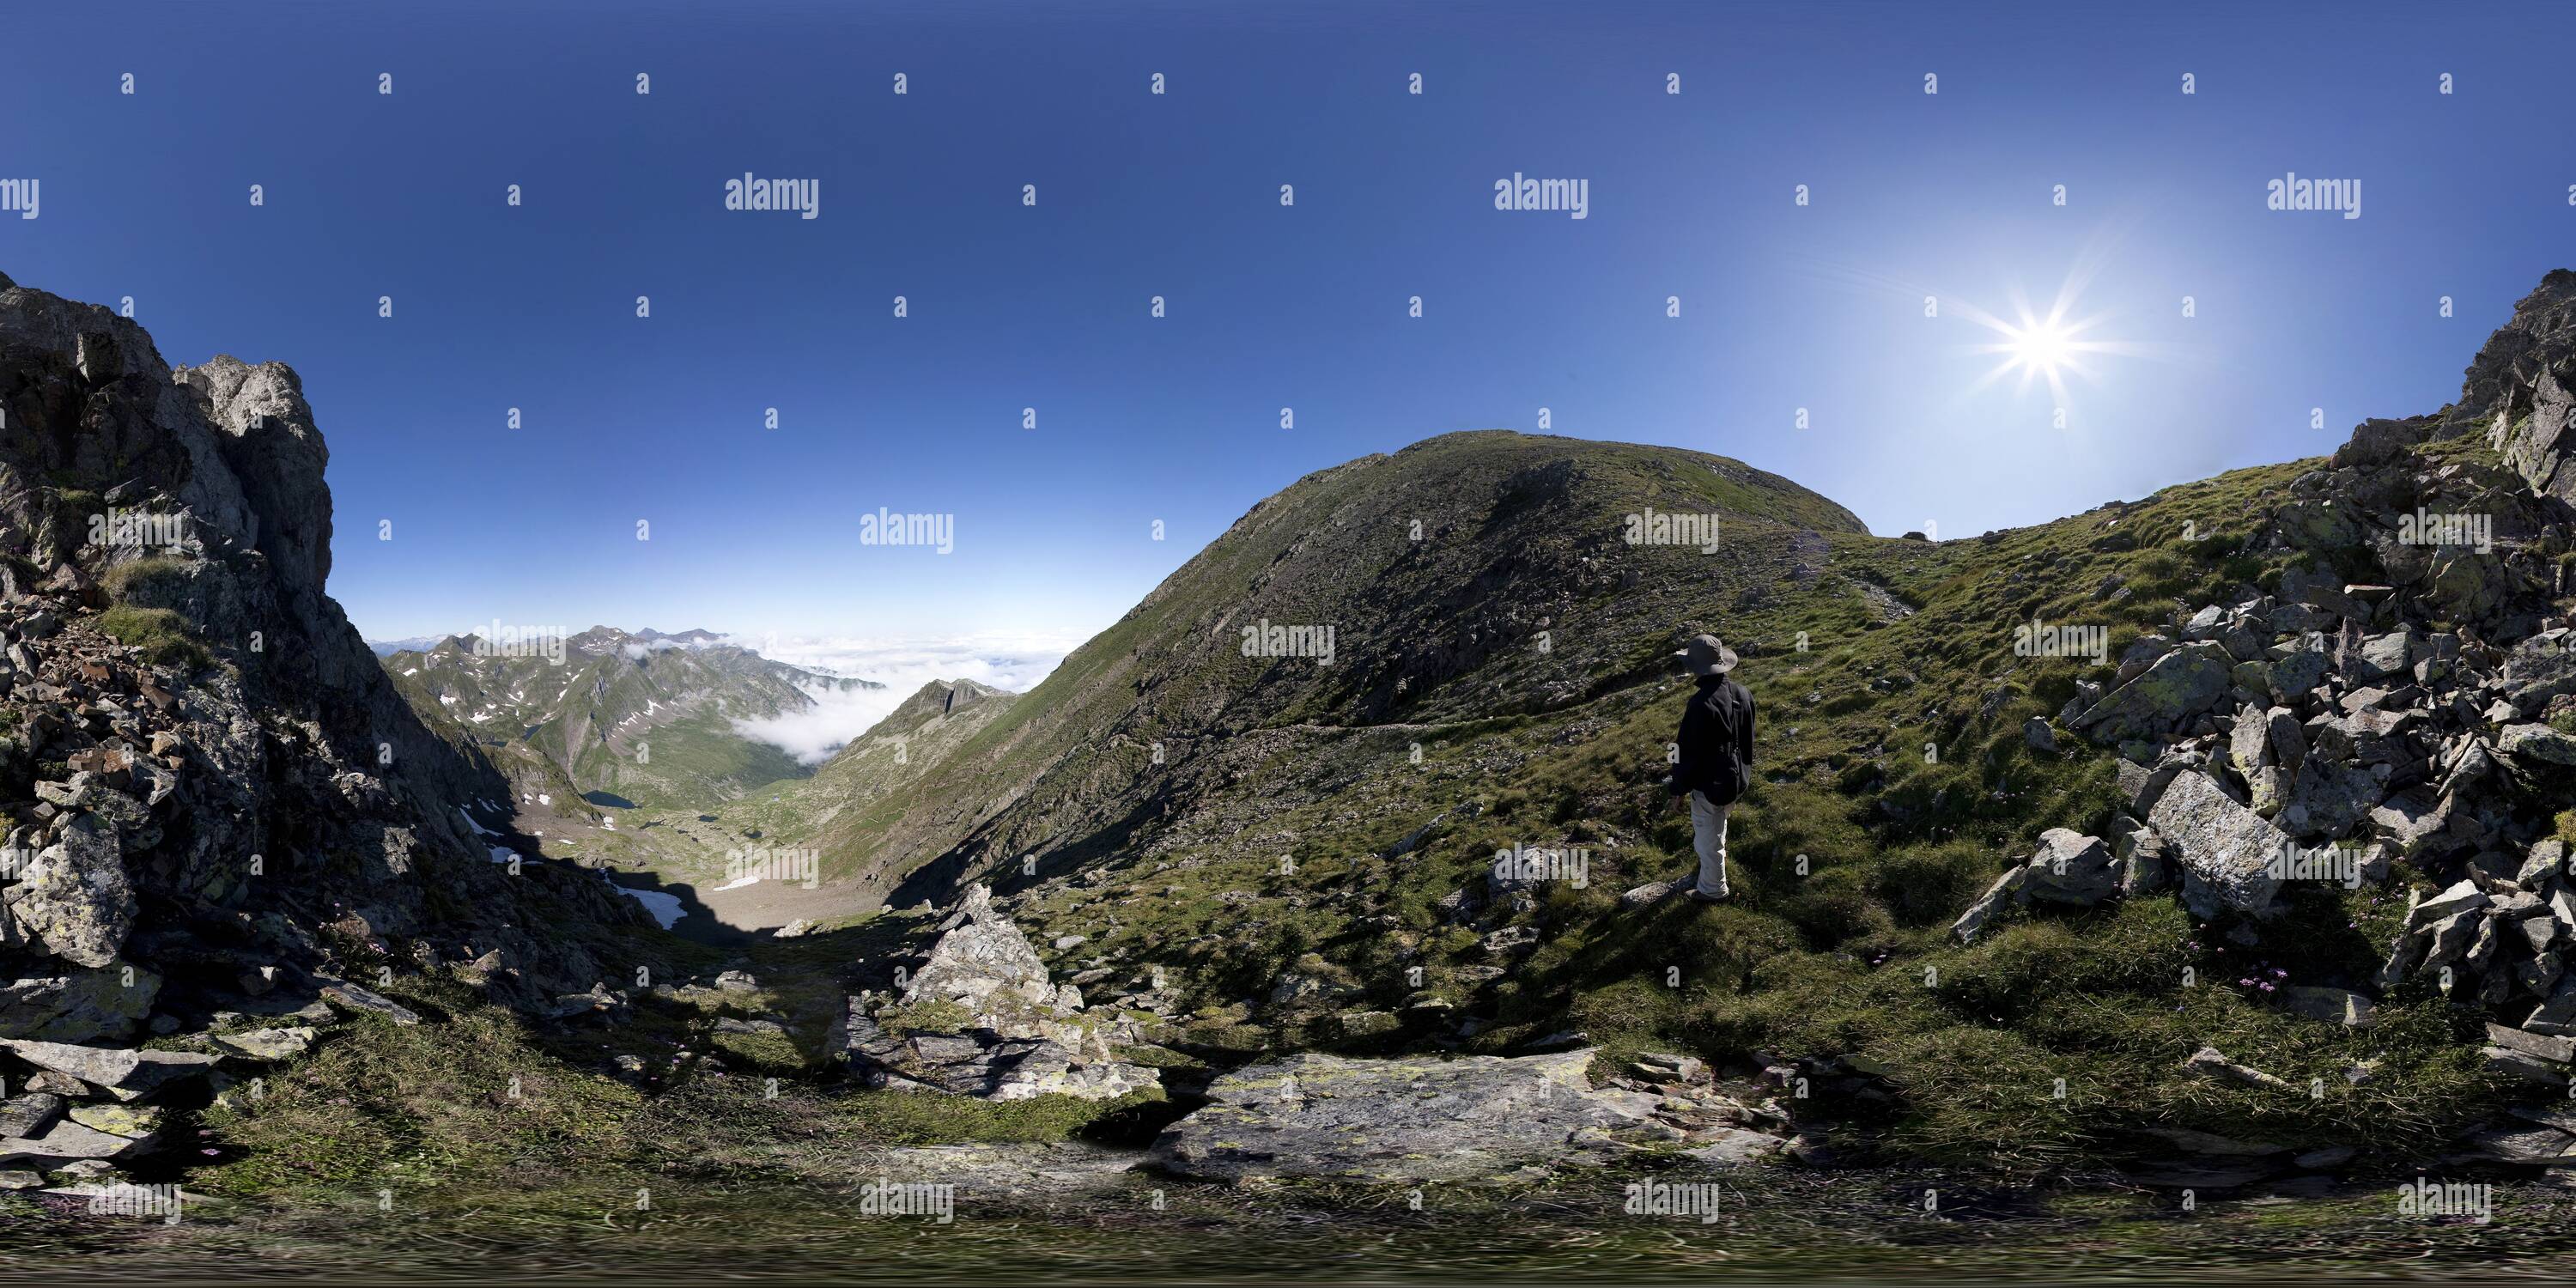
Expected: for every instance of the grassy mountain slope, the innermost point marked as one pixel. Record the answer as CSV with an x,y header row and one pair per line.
x,y
1894,784
1471,576
913,738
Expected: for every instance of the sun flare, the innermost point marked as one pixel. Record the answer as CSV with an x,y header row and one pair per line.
x,y
2041,346
2052,348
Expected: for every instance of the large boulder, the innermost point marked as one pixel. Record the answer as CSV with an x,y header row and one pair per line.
x,y
2071,867
2329,798
74,896
2181,684
29,1114
2008,890
2540,668
2536,743
2225,850
79,1006
2294,670
2377,442
67,1141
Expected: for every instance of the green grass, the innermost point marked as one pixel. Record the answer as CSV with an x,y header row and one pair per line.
x,y
139,579
162,635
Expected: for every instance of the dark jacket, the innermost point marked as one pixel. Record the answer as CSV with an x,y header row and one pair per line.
x,y
1716,741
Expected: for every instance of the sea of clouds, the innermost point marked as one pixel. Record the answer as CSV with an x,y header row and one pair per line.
x,y
1013,662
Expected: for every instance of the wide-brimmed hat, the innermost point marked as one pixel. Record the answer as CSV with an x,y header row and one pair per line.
x,y
1707,655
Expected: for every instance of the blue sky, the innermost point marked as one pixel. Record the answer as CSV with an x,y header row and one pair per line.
x,y
753,530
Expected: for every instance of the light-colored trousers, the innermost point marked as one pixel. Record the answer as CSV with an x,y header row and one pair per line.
x,y
1708,836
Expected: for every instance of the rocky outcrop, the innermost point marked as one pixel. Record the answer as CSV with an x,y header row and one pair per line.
x,y
1471,1118
982,962
981,1018
2520,383
2337,726
205,777
983,1063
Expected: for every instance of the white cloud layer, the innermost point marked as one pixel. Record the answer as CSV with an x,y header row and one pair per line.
x,y
1013,662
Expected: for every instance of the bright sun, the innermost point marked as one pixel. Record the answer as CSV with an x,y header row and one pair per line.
x,y
2054,346
2047,348
2041,346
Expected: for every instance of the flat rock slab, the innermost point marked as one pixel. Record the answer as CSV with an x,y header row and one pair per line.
x,y
1736,1146
126,1075
1403,1119
982,1063
77,1006
267,1044
360,1001
66,1141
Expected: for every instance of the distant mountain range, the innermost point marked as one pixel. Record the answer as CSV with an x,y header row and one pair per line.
x,y
423,643
618,717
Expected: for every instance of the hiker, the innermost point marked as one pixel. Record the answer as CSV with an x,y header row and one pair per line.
x,y
1714,763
